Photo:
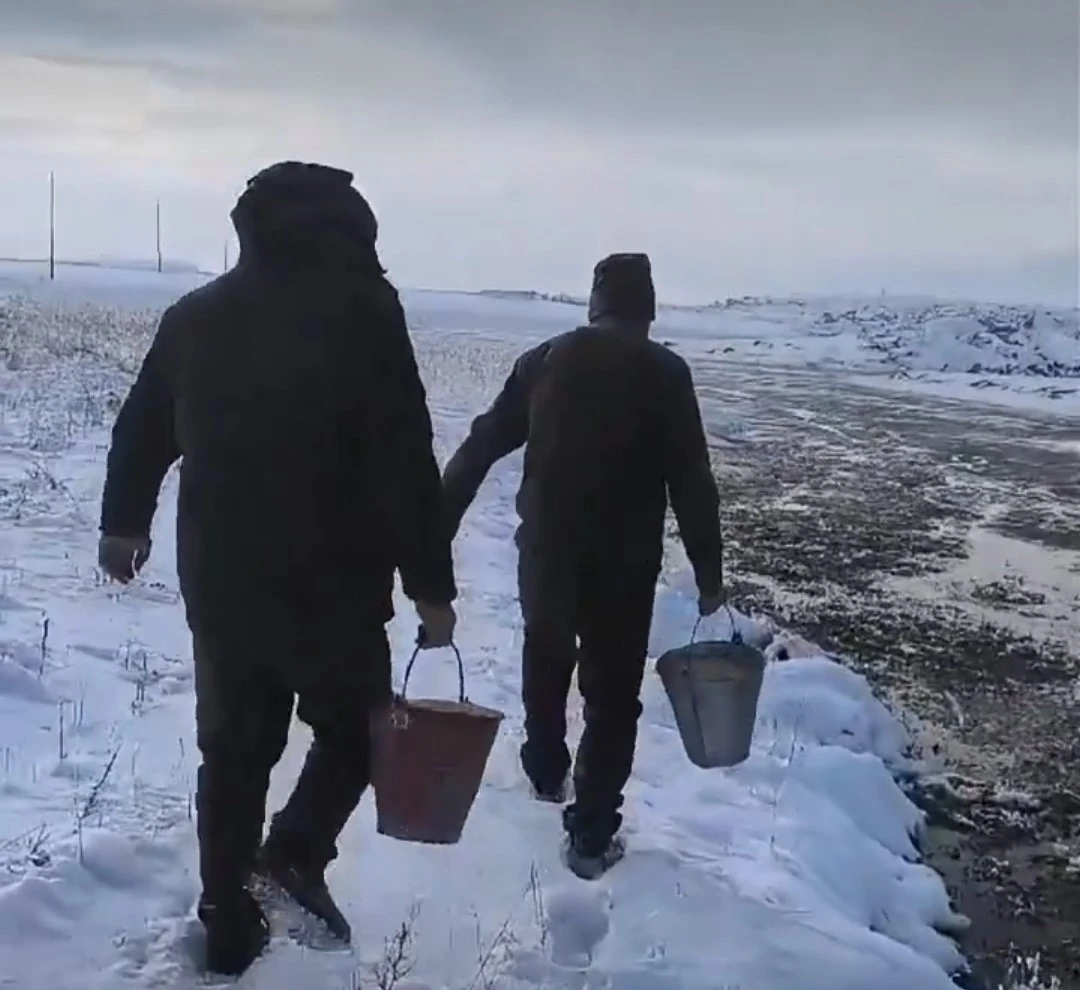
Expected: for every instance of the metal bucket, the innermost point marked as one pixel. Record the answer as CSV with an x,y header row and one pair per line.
x,y
714,688
429,759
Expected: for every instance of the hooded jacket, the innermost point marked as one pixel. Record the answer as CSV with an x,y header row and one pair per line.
x,y
289,390
295,217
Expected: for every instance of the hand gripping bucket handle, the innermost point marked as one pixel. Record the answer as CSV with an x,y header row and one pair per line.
x,y
412,661
430,757
399,714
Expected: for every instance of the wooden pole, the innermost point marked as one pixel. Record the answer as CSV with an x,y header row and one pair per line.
x,y
52,226
157,225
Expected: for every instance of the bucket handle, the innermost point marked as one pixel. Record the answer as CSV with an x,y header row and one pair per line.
x,y
736,636
412,660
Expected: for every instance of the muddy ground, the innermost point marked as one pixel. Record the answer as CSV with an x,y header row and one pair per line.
x,y
936,544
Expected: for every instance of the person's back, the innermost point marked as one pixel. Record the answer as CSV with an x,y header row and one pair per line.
x,y
281,374
595,462
278,479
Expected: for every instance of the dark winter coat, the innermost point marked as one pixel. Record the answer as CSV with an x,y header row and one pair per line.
x,y
289,389
611,429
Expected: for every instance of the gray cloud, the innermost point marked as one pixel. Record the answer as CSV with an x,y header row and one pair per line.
x,y
778,142
118,26
997,68
979,65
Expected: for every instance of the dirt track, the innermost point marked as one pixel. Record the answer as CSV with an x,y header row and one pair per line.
x,y
937,545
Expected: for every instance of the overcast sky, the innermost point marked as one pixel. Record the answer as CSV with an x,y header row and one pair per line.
x,y
749,145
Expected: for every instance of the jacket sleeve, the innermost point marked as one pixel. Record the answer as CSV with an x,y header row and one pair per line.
x,y
500,430
143,447
691,486
402,436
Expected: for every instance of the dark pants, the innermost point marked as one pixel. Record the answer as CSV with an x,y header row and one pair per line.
x,y
609,610
246,685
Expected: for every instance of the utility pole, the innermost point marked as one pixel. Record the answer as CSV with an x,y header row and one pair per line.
x,y
157,225
225,258
52,226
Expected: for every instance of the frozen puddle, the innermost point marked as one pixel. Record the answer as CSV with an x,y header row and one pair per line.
x,y
795,871
1028,588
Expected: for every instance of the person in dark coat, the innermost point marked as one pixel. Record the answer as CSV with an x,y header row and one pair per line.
x,y
611,429
289,390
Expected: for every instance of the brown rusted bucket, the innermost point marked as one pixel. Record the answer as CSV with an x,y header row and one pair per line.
x,y
429,759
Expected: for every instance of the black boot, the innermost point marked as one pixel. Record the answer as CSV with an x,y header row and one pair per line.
x,y
555,795
236,933
590,862
550,792
590,853
547,770
303,835
304,881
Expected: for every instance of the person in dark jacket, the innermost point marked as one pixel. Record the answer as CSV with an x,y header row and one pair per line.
x,y
289,390
611,429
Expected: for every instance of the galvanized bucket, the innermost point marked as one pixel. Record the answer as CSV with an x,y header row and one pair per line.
x,y
714,688
430,757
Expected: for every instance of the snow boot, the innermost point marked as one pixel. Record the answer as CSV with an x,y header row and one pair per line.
x,y
588,852
237,933
306,886
556,795
590,862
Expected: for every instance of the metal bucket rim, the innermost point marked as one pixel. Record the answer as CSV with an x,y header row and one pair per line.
x,y
446,706
737,654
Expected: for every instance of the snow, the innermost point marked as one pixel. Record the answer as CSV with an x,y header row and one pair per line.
x,y
1024,357
797,870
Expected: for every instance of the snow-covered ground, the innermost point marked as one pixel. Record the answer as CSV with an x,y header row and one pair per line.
x,y
794,871
1002,355
1021,356
1026,357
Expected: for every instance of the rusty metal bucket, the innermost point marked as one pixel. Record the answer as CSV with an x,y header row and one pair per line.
x,y
429,759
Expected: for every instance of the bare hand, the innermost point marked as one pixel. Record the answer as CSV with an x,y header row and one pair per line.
x,y
437,624
122,557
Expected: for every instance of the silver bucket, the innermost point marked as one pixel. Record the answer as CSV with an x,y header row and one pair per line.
x,y
714,688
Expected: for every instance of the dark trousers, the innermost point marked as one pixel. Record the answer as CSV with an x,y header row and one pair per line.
x,y
608,610
246,686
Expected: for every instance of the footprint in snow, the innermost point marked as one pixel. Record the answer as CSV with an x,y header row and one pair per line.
x,y
577,923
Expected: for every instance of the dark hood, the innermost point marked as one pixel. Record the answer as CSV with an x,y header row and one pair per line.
x,y
302,215
622,290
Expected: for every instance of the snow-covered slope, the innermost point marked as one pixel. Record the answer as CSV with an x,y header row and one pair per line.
x,y
985,353
795,871
912,335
